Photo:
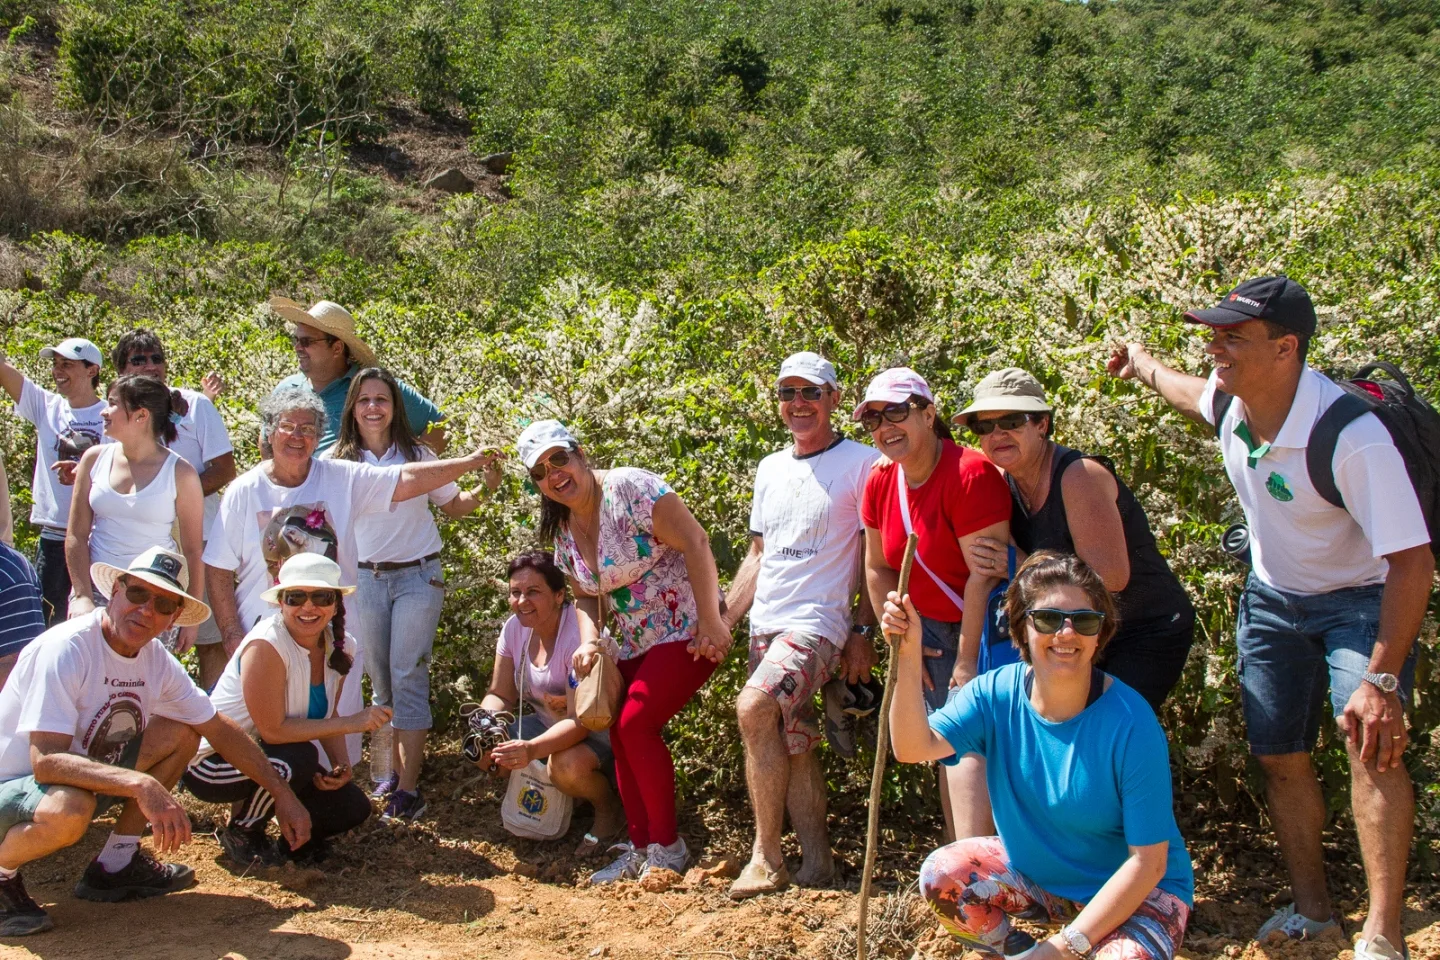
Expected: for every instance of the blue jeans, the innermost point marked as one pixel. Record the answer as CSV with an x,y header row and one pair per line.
x,y
399,614
945,637
1291,647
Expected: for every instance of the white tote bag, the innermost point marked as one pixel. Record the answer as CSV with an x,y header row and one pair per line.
x,y
533,807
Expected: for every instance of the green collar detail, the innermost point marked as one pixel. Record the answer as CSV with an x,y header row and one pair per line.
x,y
1253,451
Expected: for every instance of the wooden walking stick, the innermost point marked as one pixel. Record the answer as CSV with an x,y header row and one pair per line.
x,y
882,749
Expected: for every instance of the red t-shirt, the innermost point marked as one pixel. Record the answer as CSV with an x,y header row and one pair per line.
x,y
965,493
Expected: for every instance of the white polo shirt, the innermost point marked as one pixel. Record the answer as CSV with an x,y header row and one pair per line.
x,y
1299,542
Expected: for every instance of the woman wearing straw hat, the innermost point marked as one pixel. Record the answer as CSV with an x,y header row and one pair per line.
x,y
330,353
283,688
1072,502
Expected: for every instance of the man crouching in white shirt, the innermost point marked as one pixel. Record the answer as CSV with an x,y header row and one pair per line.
x,y
98,712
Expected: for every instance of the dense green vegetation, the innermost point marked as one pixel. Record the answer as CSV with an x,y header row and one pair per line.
x,y
698,189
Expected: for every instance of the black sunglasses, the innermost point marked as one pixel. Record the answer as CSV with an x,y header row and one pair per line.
x,y
812,393
321,598
1011,421
137,359
304,342
541,470
1085,622
894,412
140,596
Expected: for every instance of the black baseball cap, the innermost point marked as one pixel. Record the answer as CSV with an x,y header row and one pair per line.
x,y
1277,299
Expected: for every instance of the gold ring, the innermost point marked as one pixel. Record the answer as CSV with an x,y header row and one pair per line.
x,y
1396,736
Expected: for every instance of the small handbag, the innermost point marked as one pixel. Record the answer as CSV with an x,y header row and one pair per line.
x,y
533,807
597,695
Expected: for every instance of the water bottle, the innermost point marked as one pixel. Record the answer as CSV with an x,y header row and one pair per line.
x,y
381,754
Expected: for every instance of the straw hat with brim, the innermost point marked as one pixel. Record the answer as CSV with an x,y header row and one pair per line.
x,y
307,571
330,318
160,568
1011,389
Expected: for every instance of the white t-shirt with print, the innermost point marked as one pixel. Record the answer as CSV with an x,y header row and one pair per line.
x,y
201,437
545,687
1299,542
407,530
70,681
807,509
54,419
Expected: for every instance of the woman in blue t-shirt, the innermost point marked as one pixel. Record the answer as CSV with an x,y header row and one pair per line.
x,y
1079,777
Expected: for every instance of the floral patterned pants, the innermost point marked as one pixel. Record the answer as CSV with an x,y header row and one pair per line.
x,y
972,887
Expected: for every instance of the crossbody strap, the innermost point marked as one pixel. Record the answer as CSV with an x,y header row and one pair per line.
x,y
900,489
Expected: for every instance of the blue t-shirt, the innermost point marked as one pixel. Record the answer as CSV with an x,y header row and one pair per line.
x,y
22,619
1070,798
319,704
418,410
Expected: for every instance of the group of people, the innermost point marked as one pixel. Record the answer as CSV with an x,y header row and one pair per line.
x,y
1041,631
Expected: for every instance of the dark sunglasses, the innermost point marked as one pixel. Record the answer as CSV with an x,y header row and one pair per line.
x,y
1011,421
812,393
304,342
895,413
541,470
1084,622
321,598
138,358
140,596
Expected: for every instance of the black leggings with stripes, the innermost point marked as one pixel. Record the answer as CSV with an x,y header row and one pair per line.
x,y
332,812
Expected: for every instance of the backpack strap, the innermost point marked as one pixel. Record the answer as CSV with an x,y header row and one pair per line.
x,y
1219,403
1320,449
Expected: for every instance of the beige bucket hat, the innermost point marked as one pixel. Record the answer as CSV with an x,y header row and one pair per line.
x,y
160,568
329,318
1008,389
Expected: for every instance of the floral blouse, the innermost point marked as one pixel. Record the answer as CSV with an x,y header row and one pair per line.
x,y
647,581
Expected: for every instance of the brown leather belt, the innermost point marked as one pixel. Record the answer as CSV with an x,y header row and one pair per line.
x,y
387,565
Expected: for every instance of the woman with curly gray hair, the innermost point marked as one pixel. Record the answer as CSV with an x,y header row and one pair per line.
x,y
294,503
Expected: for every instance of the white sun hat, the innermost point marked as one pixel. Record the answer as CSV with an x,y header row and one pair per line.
x,y
160,568
314,571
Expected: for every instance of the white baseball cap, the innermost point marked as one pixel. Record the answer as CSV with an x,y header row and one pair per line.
x,y
809,366
895,385
540,436
75,348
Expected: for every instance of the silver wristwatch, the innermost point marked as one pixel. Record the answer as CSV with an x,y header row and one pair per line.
x,y
1078,943
1387,682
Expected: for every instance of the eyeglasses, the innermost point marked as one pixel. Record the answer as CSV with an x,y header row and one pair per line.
x,y
1010,421
894,412
541,470
1084,622
140,359
140,596
321,598
304,342
305,431
811,393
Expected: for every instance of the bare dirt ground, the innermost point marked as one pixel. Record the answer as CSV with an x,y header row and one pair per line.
x,y
456,885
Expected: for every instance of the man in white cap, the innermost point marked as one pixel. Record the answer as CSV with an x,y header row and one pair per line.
x,y
802,576
97,711
330,354
67,423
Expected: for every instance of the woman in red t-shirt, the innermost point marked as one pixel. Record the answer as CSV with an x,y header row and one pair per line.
x,y
949,495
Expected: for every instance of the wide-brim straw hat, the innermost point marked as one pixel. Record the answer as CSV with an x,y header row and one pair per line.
x,y
1011,390
160,568
312,571
330,318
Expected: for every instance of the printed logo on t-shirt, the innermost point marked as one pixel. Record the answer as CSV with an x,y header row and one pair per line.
x,y
71,443
800,523
1278,488
303,528
118,721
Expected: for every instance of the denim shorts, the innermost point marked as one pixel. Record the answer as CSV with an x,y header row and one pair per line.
x,y
19,798
945,637
531,725
1291,647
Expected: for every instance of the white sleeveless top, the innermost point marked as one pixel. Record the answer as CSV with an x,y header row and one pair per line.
x,y
128,524
229,693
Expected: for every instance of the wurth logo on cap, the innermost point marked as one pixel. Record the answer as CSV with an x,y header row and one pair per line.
x,y
1246,300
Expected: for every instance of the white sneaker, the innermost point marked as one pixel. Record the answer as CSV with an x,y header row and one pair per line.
x,y
1293,924
1378,948
669,858
627,866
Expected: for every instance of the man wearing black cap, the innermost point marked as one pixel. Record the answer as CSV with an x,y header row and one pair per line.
x,y
1336,595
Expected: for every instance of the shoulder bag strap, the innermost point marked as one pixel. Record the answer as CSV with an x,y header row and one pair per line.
x,y
900,490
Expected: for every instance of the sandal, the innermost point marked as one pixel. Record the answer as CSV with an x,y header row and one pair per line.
x,y
756,879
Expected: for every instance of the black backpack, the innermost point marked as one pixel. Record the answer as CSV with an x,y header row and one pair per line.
x,y
1414,427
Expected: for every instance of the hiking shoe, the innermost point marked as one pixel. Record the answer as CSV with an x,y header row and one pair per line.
x,y
381,790
1378,948
840,722
627,866
143,876
403,805
659,857
1293,924
311,854
246,846
20,915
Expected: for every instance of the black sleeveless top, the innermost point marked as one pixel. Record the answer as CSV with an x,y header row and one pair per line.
x,y
1152,594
